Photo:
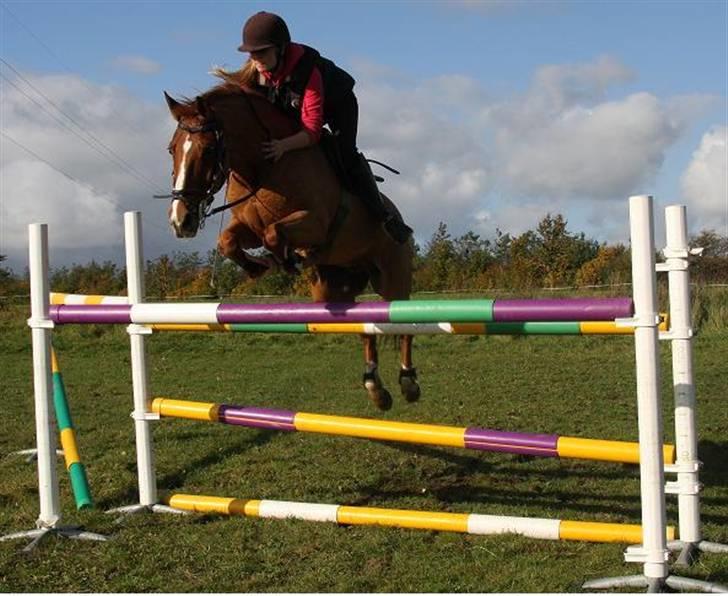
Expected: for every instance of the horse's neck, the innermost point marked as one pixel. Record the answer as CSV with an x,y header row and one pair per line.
x,y
247,123
300,180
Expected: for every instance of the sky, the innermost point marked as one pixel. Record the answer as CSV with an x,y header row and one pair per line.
x,y
496,112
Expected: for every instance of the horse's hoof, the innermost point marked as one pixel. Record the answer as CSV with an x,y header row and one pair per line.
x,y
410,389
408,384
381,398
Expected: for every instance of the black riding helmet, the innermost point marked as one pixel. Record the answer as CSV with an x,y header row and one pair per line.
x,y
264,30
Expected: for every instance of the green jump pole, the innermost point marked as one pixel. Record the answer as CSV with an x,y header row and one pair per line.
x,y
76,469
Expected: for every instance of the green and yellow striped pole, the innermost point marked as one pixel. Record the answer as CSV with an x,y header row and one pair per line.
x,y
76,470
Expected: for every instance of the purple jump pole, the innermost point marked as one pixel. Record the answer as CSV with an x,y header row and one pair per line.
x,y
373,312
81,313
569,309
485,439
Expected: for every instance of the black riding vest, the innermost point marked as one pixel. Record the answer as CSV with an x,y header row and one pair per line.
x,y
288,95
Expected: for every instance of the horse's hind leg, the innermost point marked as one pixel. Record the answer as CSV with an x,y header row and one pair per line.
x,y
407,372
373,384
394,282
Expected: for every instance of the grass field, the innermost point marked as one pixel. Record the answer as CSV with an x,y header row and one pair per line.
x,y
577,386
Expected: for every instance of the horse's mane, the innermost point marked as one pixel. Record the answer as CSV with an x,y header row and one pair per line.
x,y
239,84
234,82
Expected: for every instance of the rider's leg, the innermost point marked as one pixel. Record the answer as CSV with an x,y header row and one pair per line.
x,y
343,119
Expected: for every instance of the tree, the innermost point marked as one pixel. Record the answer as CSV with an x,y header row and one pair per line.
x,y
560,254
611,265
439,261
712,266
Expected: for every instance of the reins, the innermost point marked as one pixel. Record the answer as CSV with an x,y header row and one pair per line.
x,y
222,171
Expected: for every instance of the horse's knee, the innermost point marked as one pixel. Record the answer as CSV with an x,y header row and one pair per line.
x,y
272,237
226,245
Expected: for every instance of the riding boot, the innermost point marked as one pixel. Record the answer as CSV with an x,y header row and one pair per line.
x,y
365,187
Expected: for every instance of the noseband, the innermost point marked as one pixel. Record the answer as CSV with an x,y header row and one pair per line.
x,y
187,195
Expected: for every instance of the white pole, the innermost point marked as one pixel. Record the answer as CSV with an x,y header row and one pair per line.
x,y
41,325
677,252
653,552
140,377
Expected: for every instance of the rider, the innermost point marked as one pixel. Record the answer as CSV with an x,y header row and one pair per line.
x,y
316,92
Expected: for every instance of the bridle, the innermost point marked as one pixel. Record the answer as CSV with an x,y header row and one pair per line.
x,y
189,195
222,170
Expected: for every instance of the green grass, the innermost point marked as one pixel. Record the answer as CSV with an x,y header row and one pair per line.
x,y
578,386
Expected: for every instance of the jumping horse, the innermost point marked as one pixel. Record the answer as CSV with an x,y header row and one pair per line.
x,y
296,208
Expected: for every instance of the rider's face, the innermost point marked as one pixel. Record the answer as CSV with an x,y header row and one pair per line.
x,y
265,60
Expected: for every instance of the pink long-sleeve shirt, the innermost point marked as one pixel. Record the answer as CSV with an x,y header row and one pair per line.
x,y
312,102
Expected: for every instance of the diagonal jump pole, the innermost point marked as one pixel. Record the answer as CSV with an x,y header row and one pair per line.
x,y
41,329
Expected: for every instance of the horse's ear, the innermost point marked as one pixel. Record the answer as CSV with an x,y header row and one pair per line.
x,y
174,106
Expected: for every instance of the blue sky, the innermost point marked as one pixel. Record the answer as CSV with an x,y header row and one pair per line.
x,y
495,112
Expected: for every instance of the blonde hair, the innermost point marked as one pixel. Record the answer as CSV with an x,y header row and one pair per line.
x,y
246,77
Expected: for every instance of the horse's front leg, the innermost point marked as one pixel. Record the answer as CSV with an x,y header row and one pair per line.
x,y
372,383
407,372
232,242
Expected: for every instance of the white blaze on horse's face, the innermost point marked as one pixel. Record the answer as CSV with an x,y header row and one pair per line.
x,y
179,182
178,210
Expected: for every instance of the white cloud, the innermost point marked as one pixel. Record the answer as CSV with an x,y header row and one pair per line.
x,y
705,182
568,144
77,215
137,64
605,151
31,190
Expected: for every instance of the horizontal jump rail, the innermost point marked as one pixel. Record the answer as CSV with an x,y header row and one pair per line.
x,y
441,328
468,523
481,439
398,311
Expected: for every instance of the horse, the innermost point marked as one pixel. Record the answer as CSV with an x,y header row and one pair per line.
x,y
296,208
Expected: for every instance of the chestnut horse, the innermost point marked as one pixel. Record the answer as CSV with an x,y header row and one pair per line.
x,y
296,208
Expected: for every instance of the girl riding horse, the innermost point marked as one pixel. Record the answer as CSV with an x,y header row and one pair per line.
x,y
315,92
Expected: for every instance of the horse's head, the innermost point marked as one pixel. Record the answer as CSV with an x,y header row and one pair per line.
x,y
198,171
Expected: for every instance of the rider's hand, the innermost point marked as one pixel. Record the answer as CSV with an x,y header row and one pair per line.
x,y
274,149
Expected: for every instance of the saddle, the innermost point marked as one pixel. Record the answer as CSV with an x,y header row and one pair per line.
x,y
330,146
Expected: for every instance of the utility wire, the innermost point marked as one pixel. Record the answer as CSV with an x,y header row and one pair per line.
x,y
34,36
109,154
65,67
29,151
45,161
53,116
47,112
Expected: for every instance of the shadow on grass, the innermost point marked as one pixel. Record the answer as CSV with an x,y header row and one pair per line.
x,y
175,479
455,484
713,455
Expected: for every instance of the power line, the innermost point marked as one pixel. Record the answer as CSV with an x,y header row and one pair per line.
x,y
34,36
45,161
76,180
109,154
68,70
